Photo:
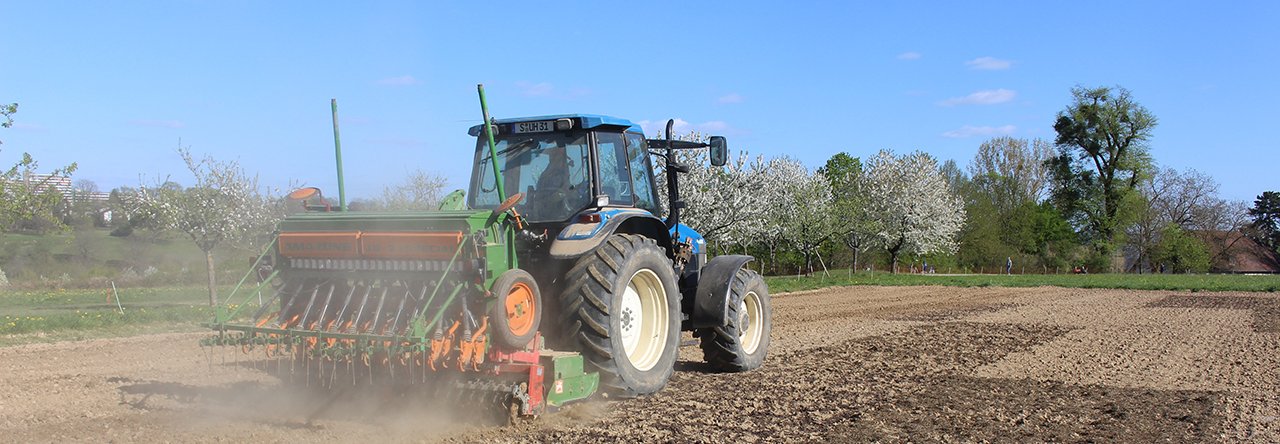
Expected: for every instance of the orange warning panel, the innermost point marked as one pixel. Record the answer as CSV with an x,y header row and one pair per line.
x,y
410,245
320,244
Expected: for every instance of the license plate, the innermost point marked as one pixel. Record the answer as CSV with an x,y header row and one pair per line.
x,y
535,127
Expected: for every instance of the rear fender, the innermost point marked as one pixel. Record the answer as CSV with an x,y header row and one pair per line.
x,y
711,302
580,238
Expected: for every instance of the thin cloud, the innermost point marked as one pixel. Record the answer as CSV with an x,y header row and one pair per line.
x,y
405,80
970,131
530,89
729,98
29,126
171,124
985,97
989,64
910,55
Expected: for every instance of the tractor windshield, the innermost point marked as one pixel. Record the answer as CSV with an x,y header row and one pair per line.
x,y
551,169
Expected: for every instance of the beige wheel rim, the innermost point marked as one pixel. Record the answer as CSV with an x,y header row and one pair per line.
x,y
644,320
752,313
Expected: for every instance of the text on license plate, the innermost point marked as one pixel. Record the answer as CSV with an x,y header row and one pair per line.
x,y
535,127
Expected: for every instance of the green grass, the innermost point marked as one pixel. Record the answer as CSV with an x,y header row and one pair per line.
x,y
51,315
72,314
91,257
1211,282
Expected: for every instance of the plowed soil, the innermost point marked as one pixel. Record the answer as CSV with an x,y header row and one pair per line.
x,y
846,365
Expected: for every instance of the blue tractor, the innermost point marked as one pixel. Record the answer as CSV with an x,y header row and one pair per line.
x,y
618,281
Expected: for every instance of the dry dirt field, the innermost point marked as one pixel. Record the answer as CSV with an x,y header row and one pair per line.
x,y
846,365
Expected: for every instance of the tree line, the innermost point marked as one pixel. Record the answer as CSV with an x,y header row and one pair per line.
x,y
1092,199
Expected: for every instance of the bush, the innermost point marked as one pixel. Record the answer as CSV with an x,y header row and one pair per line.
x,y
1181,252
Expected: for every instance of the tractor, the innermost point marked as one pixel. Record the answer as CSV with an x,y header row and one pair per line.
x,y
553,277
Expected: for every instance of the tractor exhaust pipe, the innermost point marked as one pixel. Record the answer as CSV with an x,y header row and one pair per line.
x,y
673,189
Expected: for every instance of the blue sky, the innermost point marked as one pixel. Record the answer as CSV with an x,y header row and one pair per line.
x,y
115,85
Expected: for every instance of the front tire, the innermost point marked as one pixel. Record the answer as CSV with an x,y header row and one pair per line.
x,y
622,311
743,342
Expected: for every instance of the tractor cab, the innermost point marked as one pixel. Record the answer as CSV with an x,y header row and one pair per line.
x,y
564,164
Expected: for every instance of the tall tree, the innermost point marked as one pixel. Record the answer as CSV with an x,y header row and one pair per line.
x,y
224,205
801,206
912,208
1102,139
1266,219
1011,172
1187,200
1007,178
849,204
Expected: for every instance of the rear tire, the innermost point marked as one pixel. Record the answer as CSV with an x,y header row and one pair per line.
x,y
622,311
743,342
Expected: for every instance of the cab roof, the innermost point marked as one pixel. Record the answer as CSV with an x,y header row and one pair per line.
x,y
587,121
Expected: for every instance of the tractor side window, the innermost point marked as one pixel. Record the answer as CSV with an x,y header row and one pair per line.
x,y
641,173
615,180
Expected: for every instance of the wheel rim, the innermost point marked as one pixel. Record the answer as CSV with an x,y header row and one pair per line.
x,y
752,315
520,309
643,320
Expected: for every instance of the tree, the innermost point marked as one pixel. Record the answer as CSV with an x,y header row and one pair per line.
x,y
224,205
1180,252
911,206
27,198
1011,172
7,112
1187,200
1103,154
1007,178
1266,219
849,204
418,191
800,207
725,204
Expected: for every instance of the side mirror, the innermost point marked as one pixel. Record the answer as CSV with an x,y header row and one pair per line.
x,y
719,150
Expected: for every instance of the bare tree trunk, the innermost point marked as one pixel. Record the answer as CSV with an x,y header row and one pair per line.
x,y
213,292
808,263
773,259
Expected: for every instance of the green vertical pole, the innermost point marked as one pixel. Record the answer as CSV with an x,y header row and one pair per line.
x,y
337,153
493,150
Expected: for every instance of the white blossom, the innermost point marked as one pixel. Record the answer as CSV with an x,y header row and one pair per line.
x,y
911,207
